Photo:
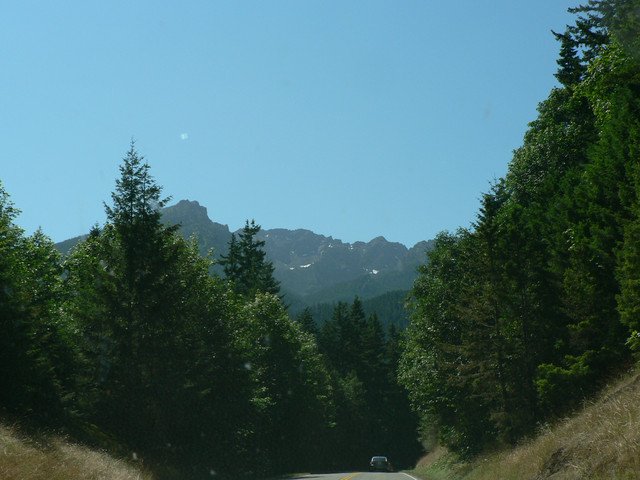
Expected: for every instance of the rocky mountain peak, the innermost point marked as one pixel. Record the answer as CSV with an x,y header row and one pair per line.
x,y
188,211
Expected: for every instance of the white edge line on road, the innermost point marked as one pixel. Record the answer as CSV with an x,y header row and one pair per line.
x,y
414,478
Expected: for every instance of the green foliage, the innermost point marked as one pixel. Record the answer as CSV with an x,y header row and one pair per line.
x,y
195,372
307,322
622,19
517,320
433,359
372,409
291,393
389,308
553,382
135,345
36,350
246,265
581,42
161,372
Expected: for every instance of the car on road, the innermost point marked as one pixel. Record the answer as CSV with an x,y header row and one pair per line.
x,y
379,463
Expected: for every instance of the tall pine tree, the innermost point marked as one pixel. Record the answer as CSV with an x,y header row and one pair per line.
x,y
246,264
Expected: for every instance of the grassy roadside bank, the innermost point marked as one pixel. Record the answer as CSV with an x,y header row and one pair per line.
x,y
601,441
49,457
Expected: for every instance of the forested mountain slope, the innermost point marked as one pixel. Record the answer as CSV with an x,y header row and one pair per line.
x,y
518,318
388,307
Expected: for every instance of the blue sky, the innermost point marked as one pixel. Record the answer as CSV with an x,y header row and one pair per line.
x,y
350,118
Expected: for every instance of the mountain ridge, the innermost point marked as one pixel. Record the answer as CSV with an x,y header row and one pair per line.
x,y
312,268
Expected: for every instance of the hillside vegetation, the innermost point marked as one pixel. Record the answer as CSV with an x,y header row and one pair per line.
x,y
601,441
518,318
49,457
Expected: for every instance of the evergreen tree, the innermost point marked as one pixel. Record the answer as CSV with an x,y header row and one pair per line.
x,y
581,42
36,349
330,338
162,372
232,262
15,334
246,265
307,322
140,300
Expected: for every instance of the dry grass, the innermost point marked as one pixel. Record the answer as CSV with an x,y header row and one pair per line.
x,y
600,442
52,458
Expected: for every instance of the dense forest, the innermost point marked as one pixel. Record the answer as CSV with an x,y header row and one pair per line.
x,y
388,307
518,318
129,342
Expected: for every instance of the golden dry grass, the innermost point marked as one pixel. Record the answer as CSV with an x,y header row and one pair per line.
x,y
23,458
602,441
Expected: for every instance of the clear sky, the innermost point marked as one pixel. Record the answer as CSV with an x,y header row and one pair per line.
x,y
350,118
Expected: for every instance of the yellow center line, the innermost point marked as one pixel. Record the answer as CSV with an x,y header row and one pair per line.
x,y
351,476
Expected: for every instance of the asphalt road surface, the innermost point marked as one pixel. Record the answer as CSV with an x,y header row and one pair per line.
x,y
355,476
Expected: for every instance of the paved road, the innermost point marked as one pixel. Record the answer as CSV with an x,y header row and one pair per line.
x,y
356,476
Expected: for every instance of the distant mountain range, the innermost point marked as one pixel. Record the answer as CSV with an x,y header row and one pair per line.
x,y
312,269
